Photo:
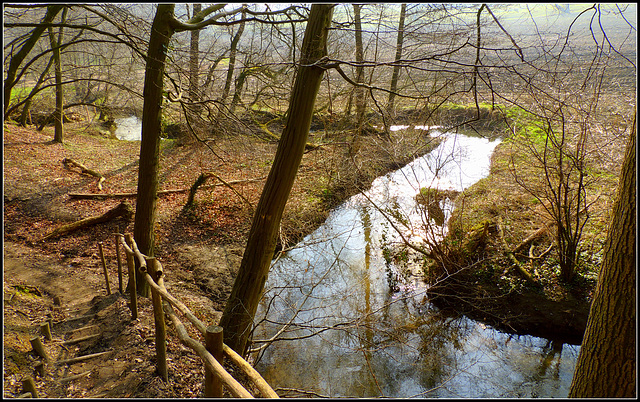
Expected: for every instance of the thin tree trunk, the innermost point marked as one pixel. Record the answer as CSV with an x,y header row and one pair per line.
x,y
359,69
396,68
239,312
606,366
232,60
194,62
59,113
24,115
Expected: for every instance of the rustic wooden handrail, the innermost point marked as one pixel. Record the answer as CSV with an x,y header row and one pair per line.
x,y
170,302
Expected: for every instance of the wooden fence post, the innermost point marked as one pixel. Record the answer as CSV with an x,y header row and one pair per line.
x,y
28,385
155,271
213,343
119,263
104,268
131,265
38,347
45,329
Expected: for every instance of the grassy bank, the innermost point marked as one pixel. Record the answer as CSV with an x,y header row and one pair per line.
x,y
495,275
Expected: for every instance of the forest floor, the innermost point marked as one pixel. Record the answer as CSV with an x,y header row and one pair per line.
x,y
200,247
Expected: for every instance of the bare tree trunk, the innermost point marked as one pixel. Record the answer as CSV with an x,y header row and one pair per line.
x,y
24,115
194,62
161,33
59,113
237,318
396,68
162,29
606,366
360,105
232,60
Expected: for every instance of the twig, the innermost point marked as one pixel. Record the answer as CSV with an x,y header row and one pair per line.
x,y
74,377
81,358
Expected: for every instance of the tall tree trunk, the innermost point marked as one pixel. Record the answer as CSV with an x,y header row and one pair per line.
x,y
162,29
237,92
17,59
194,61
396,68
232,59
237,318
59,113
606,366
360,104
161,33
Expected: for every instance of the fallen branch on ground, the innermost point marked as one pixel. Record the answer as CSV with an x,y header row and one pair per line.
x,y
538,233
84,170
516,264
160,192
123,209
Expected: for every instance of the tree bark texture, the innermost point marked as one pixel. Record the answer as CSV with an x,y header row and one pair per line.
x,y
606,366
194,59
143,232
237,318
161,33
360,102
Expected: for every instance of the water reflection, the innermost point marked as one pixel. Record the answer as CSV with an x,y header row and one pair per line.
x,y
343,322
128,128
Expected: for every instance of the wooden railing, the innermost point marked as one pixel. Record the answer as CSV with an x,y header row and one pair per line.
x,y
164,304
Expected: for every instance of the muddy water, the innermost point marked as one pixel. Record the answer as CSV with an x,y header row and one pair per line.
x,y
358,325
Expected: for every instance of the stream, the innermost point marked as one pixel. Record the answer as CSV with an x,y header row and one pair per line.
x,y
128,128
358,325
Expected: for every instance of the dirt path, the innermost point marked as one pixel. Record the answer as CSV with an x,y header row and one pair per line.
x,y
31,282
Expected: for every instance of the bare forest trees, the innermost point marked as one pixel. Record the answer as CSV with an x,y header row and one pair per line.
x,y
98,44
24,49
230,68
396,69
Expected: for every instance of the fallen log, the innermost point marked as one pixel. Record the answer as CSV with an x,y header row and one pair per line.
x,y
200,181
124,209
84,170
74,377
85,196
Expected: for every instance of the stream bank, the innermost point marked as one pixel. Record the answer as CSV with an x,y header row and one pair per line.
x,y
494,216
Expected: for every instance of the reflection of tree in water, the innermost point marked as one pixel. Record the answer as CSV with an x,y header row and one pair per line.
x,y
439,338
550,358
431,199
549,353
